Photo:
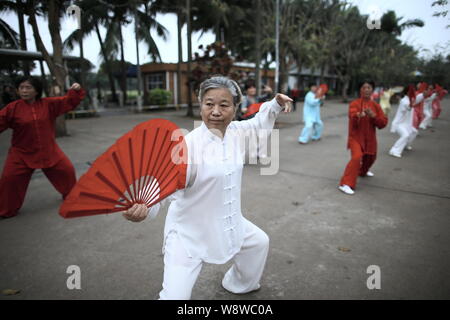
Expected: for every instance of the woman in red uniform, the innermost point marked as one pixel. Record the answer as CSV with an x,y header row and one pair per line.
x,y
33,144
365,115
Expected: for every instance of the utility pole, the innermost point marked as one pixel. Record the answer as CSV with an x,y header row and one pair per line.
x,y
190,111
277,46
258,48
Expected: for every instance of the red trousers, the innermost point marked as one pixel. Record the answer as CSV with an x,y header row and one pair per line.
x,y
359,164
436,108
418,116
17,175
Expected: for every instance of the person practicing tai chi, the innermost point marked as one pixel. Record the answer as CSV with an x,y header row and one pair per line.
x,y
418,114
311,116
204,223
403,122
365,115
441,92
33,144
430,96
385,97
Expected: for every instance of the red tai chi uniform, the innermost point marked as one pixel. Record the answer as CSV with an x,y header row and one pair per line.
x,y
33,146
362,139
437,103
418,115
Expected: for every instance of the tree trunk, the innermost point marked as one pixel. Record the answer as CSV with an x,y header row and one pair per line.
x,y
322,73
55,63
284,72
112,84
123,80
23,35
83,75
346,83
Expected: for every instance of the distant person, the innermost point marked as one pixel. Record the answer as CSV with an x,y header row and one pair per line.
x,y
418,114
430,96
375,96
311,116
403,122
251,98
385,100
248,109
437,109
295,95
33,144
365,116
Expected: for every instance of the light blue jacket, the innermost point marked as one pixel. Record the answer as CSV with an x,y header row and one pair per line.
x,y
311,108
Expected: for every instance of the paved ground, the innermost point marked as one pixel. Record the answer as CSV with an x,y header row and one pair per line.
x,y
322,241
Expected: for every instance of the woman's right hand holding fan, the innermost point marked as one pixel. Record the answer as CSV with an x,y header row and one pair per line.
x,y
136,213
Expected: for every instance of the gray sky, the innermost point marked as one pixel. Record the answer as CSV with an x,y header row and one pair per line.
x,y
431,38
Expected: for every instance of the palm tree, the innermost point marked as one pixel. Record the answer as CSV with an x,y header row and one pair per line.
x,y
391,24
93,14
177,7
55,63
121,11
9,38
18,7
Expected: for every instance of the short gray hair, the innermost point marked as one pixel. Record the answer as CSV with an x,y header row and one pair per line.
x,y
218,82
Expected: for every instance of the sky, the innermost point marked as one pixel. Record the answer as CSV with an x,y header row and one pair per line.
x,y
433,37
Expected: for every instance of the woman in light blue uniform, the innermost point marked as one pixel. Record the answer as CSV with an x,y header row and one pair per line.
x,y
311,117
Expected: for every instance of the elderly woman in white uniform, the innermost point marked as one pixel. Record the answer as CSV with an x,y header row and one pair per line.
x,y
204,222
403,124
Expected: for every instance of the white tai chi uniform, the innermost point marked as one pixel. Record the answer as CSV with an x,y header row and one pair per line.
x,y
204,222
403,125
428,112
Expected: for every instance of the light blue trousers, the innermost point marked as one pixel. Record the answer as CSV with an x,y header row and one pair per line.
x,y
312,130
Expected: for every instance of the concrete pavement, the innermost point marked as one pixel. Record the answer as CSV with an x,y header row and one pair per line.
x,y
322,241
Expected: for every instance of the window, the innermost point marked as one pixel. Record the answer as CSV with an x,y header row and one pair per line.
x,y
156,80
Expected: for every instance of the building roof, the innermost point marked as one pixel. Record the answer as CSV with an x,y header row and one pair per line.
x,y
14,55
163,67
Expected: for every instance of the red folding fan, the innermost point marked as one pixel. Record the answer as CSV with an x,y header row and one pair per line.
x,y
252,109
145,166
323,89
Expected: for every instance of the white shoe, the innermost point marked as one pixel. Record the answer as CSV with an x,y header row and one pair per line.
x,y
408,148
346,189
369,174
394,154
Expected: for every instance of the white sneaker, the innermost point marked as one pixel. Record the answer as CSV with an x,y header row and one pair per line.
x,y
408,148
394,154
369,174
346,189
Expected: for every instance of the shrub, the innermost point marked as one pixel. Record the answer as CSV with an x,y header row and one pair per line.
x,y
159,97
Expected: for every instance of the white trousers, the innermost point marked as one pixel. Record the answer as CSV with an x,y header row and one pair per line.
x,y
426,122
181,271
407,136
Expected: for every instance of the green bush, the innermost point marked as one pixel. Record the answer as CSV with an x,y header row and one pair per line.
x,y
159,97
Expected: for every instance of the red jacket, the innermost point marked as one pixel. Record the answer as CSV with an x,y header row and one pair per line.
x,y
33,127
363,130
